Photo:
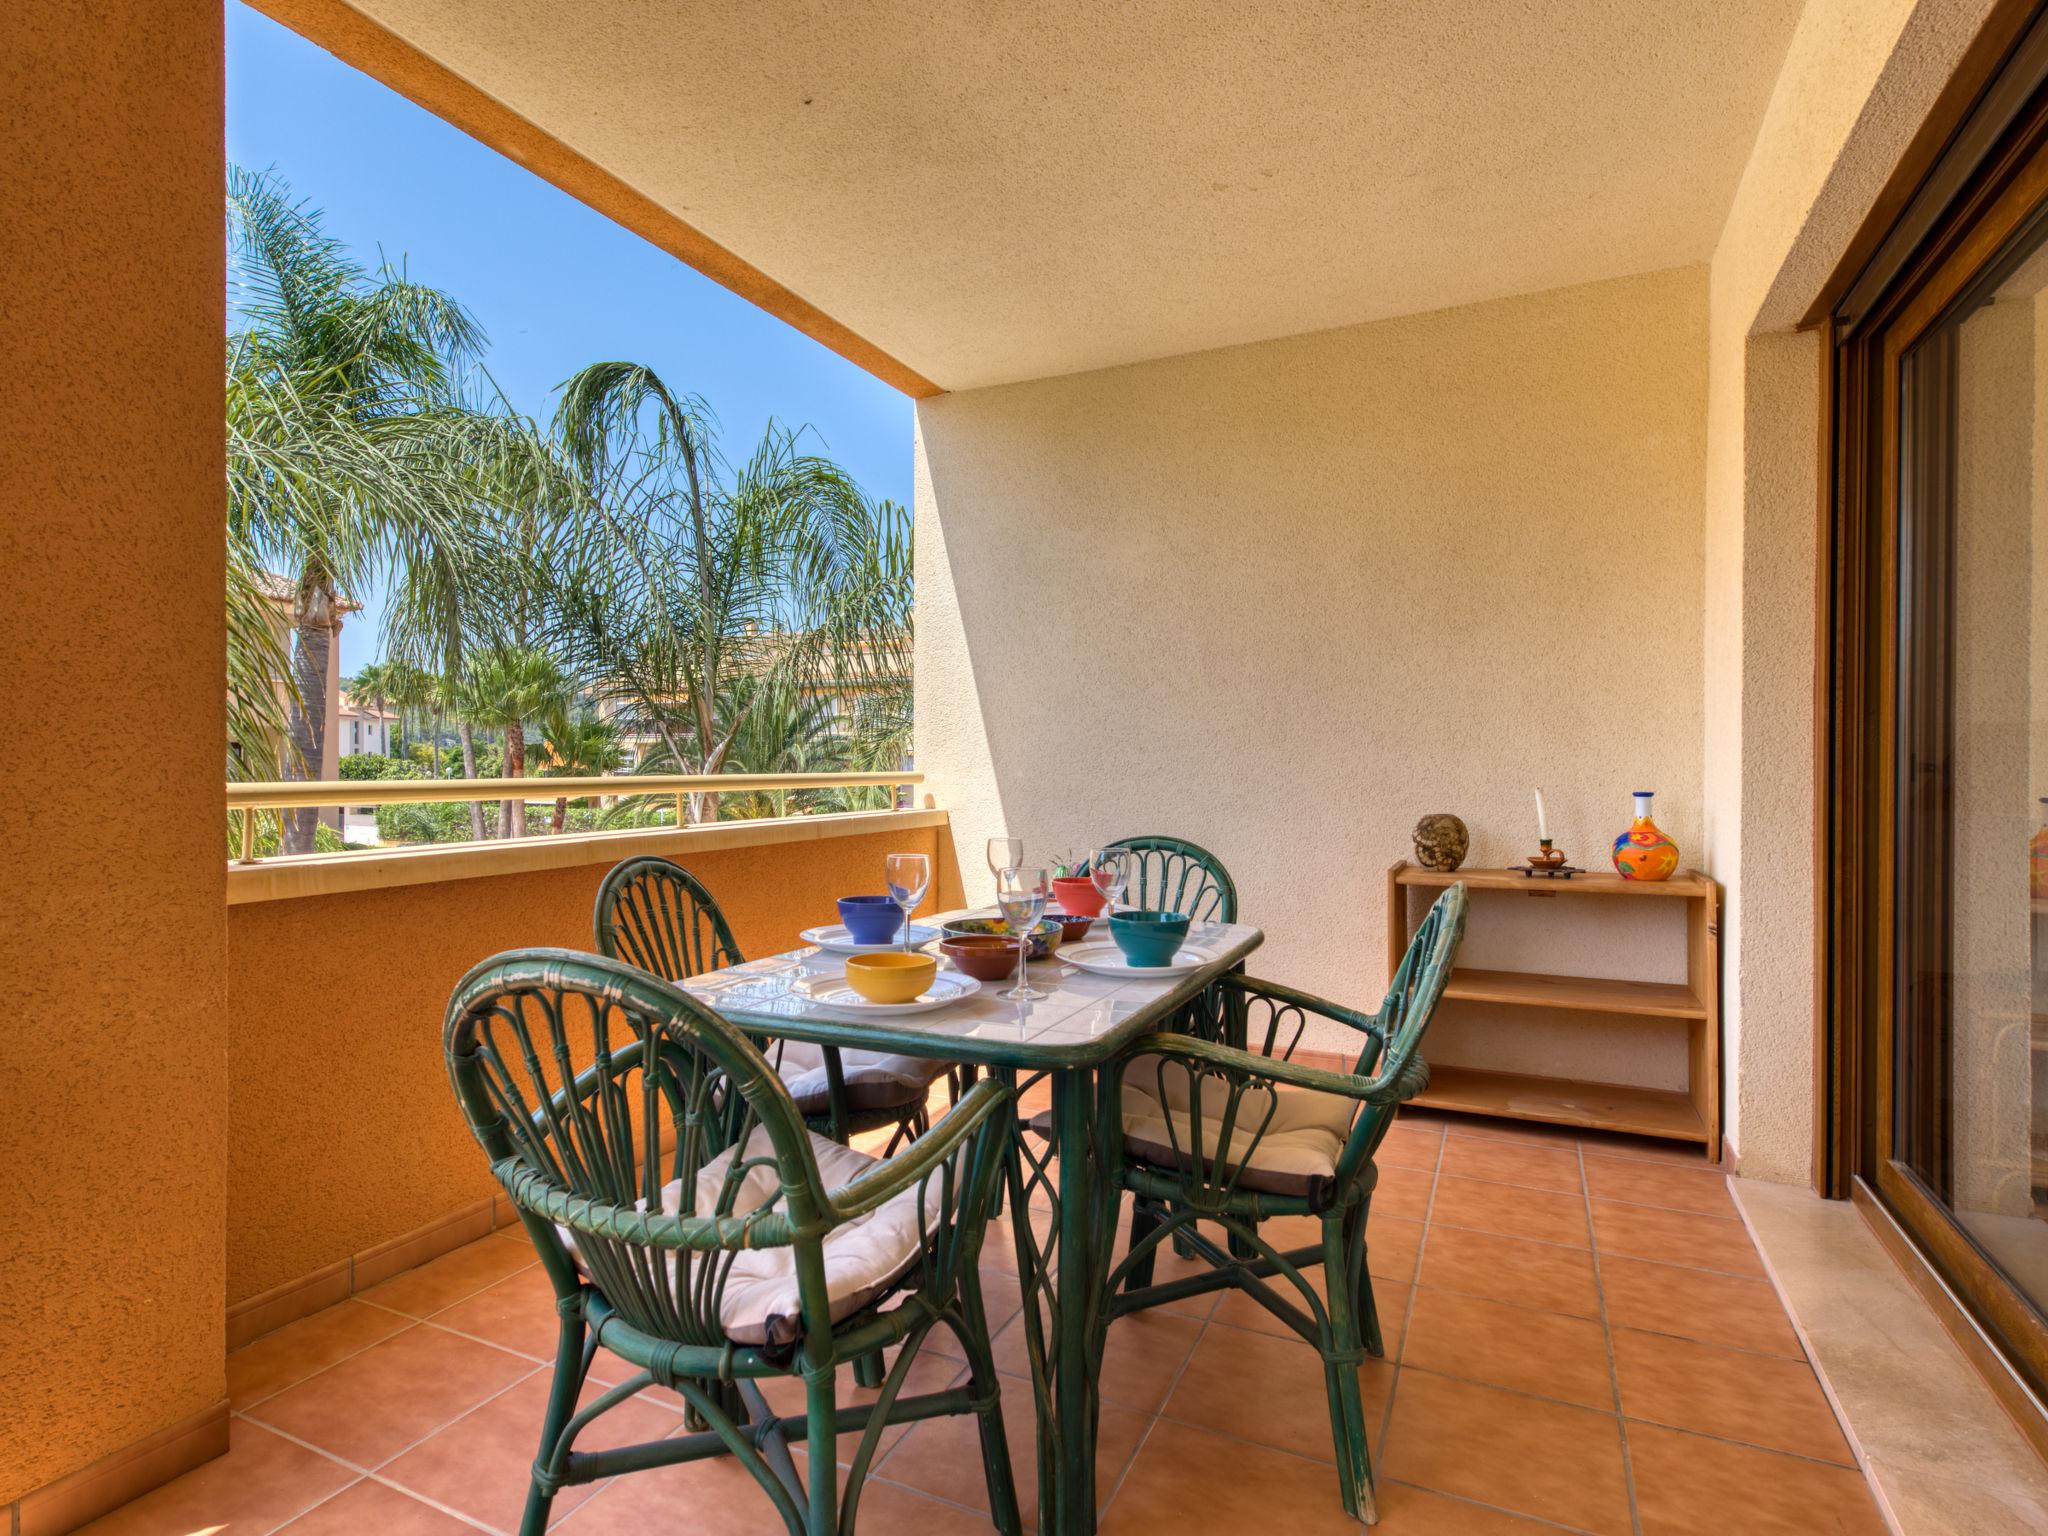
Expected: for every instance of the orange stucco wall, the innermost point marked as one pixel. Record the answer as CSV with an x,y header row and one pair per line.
x,y
112,1058
343,1132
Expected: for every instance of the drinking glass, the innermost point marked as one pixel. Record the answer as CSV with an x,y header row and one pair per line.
x,y
1004,853
1110,871
907,875
1021,893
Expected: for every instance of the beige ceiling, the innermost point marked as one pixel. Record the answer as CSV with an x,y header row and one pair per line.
x,y
996,191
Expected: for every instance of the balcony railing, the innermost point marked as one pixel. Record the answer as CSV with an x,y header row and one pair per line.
x,y
328,793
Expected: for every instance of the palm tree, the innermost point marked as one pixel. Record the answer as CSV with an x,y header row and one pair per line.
x,y
356,371
507,687
578,747
373,684
685,577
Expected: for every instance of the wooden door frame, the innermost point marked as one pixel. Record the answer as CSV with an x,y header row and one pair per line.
x,y
1857,676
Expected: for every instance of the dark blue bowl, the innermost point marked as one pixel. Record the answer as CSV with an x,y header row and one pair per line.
x,y
1149,938
871,919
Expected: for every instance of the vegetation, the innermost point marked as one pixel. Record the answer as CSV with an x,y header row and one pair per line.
x,y
609,589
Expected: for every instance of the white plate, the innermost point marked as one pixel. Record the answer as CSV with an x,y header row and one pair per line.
x,y
1102,957
834,938
837,994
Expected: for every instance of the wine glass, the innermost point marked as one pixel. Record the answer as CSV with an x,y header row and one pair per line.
x,y
1021,893
907,875
1004,853
1109,870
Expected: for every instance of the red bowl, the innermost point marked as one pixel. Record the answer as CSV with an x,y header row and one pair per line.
x,y
984,956
1073,925
1077,894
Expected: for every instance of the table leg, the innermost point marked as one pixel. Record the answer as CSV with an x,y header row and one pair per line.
x,y
1062,1318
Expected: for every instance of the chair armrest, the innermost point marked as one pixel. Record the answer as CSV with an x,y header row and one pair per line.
x,y
1230,1061
924,1155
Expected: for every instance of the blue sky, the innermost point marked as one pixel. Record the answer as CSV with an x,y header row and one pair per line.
x,y
554,284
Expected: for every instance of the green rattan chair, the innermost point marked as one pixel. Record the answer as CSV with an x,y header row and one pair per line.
x,y
694,1227
655,914
1173,875
1218,1134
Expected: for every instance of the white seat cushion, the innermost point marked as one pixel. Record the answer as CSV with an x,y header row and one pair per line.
x,y
863,1258
873,1080
1288,1154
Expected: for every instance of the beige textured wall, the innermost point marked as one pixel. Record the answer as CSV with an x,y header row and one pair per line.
x,y
1284,599
1859,78
112,1067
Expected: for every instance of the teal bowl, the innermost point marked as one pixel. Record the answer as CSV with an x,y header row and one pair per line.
x,y
1149,938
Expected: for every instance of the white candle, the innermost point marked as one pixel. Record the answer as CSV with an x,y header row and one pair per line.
x,y
1542,828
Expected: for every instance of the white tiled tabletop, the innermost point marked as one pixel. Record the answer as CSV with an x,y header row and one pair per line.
x,y
1082,1017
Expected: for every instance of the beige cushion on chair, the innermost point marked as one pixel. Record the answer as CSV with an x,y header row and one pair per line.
x,y
1293,1153
863,1258
873,1080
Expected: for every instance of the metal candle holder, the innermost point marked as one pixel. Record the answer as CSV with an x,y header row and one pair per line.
x,y
1549,862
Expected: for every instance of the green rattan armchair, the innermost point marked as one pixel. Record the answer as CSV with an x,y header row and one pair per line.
x,y
655,914
1215,1133
693,1226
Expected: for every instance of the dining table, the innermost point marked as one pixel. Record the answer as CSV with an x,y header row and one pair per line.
x,y
1065,1039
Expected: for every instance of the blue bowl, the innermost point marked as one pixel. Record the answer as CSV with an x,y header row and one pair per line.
x,y
1149,938
871,919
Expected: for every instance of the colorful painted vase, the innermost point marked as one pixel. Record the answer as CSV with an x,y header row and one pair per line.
x,y
1643,852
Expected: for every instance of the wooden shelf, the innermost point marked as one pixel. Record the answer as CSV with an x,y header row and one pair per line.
x,y
1586,994
1688,883
1694,1115
1563,1101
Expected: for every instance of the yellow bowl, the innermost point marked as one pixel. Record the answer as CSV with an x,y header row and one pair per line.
x,y
891,976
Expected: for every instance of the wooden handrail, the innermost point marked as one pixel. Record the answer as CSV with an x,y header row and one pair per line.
x,y
330,792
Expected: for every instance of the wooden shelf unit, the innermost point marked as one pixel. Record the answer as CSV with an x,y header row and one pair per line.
x,y
1694,1115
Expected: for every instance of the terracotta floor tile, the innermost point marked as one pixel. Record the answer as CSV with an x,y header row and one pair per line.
x,y
1509,1210
1145,1352
1508,1162
297,1350
1528,1132
369,1506
716,1497
1411,1144
1695,1304
1648,1149
1189,1482
1391,1248
943,1456
1757,1399
262,1481
1239,1310
452,1277
1546,1353
1674,1237
519,1314
1513,1452
480,1464
1686,1486
1406,1511
1540,1275
1402,1192
376,1404
1703,1191
1268,1390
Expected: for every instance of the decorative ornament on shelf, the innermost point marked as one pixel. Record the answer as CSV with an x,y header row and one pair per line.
x,y
1547,859
1441,842
1643,852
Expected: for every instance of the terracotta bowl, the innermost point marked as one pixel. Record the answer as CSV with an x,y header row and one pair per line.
x,y
1077,894
1045,938
891,976
1073,925
983,956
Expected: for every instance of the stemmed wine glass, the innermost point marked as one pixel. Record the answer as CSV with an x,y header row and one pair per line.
x,y
1004,853
1109,869
1021,893
907,875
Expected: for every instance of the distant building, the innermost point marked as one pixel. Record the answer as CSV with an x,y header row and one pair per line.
x,y
357,725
